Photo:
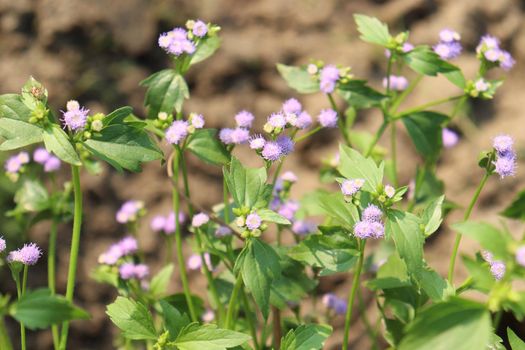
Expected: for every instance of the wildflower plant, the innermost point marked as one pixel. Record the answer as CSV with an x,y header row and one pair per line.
x,y
372,226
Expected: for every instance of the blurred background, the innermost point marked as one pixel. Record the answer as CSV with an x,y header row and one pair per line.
x,y
98,51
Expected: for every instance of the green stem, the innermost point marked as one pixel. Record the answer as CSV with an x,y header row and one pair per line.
x,y
21,292
465,218
51,280
308,134
231,305
277,328
5,342
497,320
377,136
178,239
366,321
252,321
351,297
185,180
405,93
425,106
75,244
340,121
393,149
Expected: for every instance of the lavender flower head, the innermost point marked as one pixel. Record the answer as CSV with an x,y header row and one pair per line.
x,y
351,187
253,221
303,227
171,223
176,132
27,255
520,254
292,106
289,176
111,256
369,229
14,163
448,51
225,135
75,117
257,142
244,119
128,245
127,271
372,213
271,151
328,118
197,121
448,35
158,223
286,144
303,121
3,245
277,120
200,29
141,271
199,220
497,268
390,191
481,85
223,231
239,136
129,211
331,301
489,48
176,42
194,262
208,316
450,138
503,144
505,166
328,78
288,209
41,155
397,83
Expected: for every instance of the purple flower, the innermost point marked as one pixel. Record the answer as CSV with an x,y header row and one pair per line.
x,y
286,144
350,187
303,121
52,164
170,225
303,227
487,42
111,256
448,51
372,213
197,121
520,254
13,164
448,35
129,211
450,138
487,256
503,144
199,220
340,306
27,255
41,155
506,61
288,209
257,142
128,245
292,106
158,223
208,316
397,83
492,55
328,78
75,117
127,271
194,262
390,191
277,120
225,135
176,132
328,300
271,151
253,221
369,229
239,136
176,42
328,118
497,268
141,271
223,231
481,85
199,28
289,177
244,119
2,244
506,166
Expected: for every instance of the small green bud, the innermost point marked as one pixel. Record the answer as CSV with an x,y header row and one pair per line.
x,y
256,233
268,128
97,125
87,134
240,221
162,116
99,116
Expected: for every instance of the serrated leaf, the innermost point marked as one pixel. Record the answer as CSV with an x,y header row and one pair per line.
x,y
159,282
516,210
205,49
425,61
392,274
425,129
489,237
12,107
515,342
209,337
32,197
57,142
166,92
359,95
133,319
271,216
205,145
40,309
298,79
247,185
407,236
334,205
174,321
432,215
354,166
18,134
306,337
372,30
117,116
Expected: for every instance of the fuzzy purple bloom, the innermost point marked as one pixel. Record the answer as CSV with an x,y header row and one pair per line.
x,y
397,83
75,117
448,51
127,271
372,213
208,316
223,231
253,221
41,155
129,211
27,255
503,144
239,136
158,223
194,262
3,245
52,164
197,121
450,138
277,120
257,142
292,105
199,29
289,176
176,42
128,245
328,118
244,119
303,121
288,209
303,227
506,61
200,219
506,165
448,35
481,85
286,144
328,78
141,271
497,268
14,163
225,135
350,187
176,132
271,151
171,224
369,229
520,255
111,256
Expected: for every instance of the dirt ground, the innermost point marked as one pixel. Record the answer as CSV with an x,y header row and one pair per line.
x,y
98,51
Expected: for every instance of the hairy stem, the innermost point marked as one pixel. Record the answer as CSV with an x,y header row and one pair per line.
x,y
75,245
351,296
465,218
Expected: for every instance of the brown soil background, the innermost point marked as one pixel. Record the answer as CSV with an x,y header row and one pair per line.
x,y
98,51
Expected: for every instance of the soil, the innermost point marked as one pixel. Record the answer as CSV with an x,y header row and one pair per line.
x,y
98,51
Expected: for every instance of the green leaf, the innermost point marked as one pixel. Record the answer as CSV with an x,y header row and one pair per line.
x,y
334,205
260,266
32,197
405,231
159,283
372,30
123,146
205,145
392,274
298,79
359,95
133,319
271,216
174,321
432,215
306,337
354,166
117,116
457,78
489,237
515,342
39,309
331,254
479,270
516,210
209,337
179,302
18,134
57,142
247,185
205,49
428,186
425,130
12,107
457,324
436,287
293,285
425,61
166,92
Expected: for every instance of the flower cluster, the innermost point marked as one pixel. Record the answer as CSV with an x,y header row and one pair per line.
x,y
450,138
333,302
130,270
370,225
194,262
505,163
489,51
179,129
520,255
241,134
350,187
449,45
497,267
166,224
75,117
180,41
126,246
3,245
14,165
27,255
199,220
130,211
405,48
395,83
49,161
